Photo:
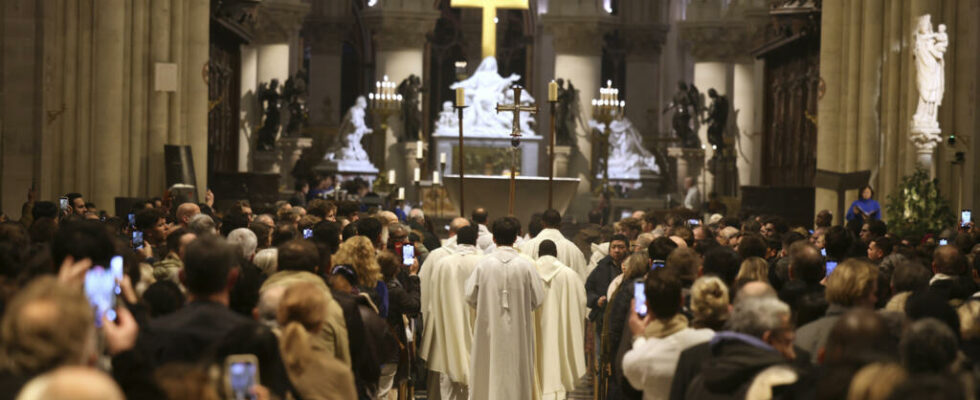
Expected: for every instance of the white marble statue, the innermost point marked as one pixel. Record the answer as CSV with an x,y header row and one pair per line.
x,y
448,121
348,149
627,155
483,91
930,47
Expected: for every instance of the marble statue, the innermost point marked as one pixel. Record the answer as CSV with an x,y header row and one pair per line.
x,y
685,104
483,91
627,155
930,47
269,99
411,113
348,149
447,118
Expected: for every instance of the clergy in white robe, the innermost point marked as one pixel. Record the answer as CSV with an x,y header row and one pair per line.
x,y
425,284
485,240
559,326
504,289
568,253
449,322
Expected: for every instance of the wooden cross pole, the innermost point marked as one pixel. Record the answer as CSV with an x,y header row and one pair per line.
x,y
515,137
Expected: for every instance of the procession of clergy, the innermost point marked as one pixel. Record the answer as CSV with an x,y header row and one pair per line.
x,y
504,316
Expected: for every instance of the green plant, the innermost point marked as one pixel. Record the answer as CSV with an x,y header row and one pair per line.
x,y
916,208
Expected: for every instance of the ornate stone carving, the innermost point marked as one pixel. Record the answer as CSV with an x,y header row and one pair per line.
x,y
279,21
644,42
722,40
576,35
326,35
400,29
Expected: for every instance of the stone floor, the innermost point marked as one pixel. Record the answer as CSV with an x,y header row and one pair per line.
x,y
583,392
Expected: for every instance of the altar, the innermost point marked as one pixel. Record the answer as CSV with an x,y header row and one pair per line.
x,y
489,155
493,194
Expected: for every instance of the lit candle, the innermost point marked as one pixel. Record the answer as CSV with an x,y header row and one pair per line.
x,y
386,78
442,158
435,177
401,193
622,104
460,97
418,175
391,177
552,91
418,150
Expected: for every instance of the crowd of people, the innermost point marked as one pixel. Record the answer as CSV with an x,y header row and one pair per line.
x,y
340,299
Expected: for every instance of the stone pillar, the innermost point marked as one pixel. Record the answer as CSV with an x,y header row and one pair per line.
x,y
326,37
399,29
578,43
196,53
108,90
642,68
290,149
159,99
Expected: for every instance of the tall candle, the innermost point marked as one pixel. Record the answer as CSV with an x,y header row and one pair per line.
x,y
391,177
552,91
460,97
401,193
442,158
418,149
418,175
435,177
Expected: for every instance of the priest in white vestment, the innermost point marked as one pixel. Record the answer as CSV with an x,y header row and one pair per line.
x,y
425,287
504,289
559,326
568,253
449,322
485,240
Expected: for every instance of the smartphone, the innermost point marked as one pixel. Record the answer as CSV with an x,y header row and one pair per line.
x,y
965,217
694,222
830,266
655,264
132,220
63,203
137,240
241,375
102,289
823,252
307,233
943,242
640,297
625,214
408,254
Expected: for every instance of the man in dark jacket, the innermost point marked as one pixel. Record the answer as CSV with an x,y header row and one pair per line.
x,y
759,342
598,281
804,292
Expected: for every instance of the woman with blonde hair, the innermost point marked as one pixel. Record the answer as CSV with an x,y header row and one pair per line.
x,y
710,303
358,253
752,269
314,372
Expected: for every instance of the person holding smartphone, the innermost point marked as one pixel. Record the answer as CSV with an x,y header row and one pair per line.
x,y
651,363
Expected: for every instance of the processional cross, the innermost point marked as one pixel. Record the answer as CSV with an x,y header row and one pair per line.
x,y
489,43
515,137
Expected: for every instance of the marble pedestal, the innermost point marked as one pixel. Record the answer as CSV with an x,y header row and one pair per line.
x,y
690,163
346,170
265,161
493,194
490,155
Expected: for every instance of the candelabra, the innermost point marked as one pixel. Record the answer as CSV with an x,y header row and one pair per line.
x,y
605,109
383,103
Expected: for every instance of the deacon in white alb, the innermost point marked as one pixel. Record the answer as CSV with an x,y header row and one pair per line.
x,y
568,253
449,322
560,326
448,248
505,289
485,240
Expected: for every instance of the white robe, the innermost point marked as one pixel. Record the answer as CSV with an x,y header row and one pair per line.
x,y
425,287
484,239
505,289
449,321
560,329
568,253
599,251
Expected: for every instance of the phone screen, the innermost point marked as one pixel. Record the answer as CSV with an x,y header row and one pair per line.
x,y
241,375
965,217
132,219
408,254
63,203
830,267
307,233
625,214
694,222
823,252
137,240
657,264
943,242
101,289
640,297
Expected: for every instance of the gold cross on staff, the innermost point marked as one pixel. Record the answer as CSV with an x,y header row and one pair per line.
x,y
516,108
515,138
489,43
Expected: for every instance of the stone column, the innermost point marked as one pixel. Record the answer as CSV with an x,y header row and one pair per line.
x,y
108,91
159,100
196,51
643,45
577,37
399,29
326,37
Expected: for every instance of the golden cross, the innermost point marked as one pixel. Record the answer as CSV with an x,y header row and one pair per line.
x,y
490,7
516,108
